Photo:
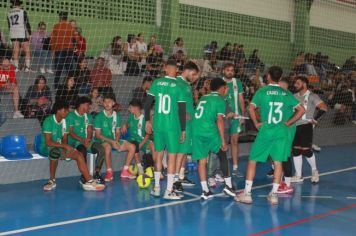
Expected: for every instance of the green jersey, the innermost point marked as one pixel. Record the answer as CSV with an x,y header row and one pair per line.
x,y
232,98
167,93
136,128
206,114
80,125
107,124
187,96
55,128
276,107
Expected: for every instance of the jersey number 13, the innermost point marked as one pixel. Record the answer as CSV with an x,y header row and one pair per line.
x,y
275,114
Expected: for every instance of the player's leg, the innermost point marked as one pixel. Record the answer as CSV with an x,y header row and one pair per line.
x,y
131,149
235,153
245,195
297,154
229,189
202,164
16,53
53,155
159,146
308,152
285,187
107,153
83,150
26,47
182,178
99,151
278,170
178,187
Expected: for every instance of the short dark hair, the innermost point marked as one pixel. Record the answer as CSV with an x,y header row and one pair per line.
x,y
190,66
302,78
228,64
41,23
63,15
275,72
135,103
82,100
109,96
40,77
216,84
147,79
60,104
171,62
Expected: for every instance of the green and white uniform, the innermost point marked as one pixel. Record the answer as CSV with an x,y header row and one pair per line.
x,y
57,131
137,131
233,100
166,124
108,125
206,137
186,147
274,137
80,125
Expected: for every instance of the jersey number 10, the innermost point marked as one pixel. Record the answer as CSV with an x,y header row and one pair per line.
x,y
275,114
164,105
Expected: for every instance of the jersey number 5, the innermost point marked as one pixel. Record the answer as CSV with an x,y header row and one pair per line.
x,y
275,114
200,109
164,105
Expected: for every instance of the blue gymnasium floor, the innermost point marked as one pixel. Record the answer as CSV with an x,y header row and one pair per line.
x,y
328,208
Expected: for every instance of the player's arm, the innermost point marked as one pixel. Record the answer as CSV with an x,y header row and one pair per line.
x,y
182,112
221,128
298,113
253,115
50,143
27,23
98,135
322,108
117,134
242,104
147,112
74,135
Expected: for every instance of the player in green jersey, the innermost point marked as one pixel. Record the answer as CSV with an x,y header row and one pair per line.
x,y
54,145
208,135
169,121
189,75
107,126
137,135
80,127
236,108
278,110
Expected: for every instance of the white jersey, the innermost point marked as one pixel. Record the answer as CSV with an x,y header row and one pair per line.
x,y
18,24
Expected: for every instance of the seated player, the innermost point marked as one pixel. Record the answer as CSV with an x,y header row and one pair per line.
x,y
137,135
80,127
107,132
208,135
54,145
279,110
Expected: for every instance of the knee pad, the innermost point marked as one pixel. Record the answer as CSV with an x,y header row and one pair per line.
x,y
296,152
308,153
137,147
55,154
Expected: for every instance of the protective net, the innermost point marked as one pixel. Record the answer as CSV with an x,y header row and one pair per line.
x,y
106,46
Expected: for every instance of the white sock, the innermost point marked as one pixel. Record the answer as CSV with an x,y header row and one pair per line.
x,y
170,180
298,163
287,181
126,167
140,168
312,162
181,173
234,167
272,166
176,177
28,63
109,170
275,188
248,186
228,182
204,186
157,178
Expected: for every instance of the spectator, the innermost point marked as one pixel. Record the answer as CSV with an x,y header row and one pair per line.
x,y
179,46
153,44
20,32
140,93
226,52
309,68
96,102
81,43
209,66
240,57
210,48
8,85
82,76
132,56
4,50
101,77
154,61
342,100
142,48
73,23
114,54
62,44
67,92
38,100
42,56
254,61
350,64
180,59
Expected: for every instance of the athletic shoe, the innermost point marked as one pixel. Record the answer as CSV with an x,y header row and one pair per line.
x,y
98,178
316,148
229,191
237,174
109,176
91,185
219,178
212,182
315,177
283,188
49,71
297,179
270,173
42,71
244,197
50,185
27,69
127,174
156,191
272,198
187,182
177,187
17,115
206,195
171,195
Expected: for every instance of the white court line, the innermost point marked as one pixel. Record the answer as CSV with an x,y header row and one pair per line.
x,y
351,198
322,197
139,209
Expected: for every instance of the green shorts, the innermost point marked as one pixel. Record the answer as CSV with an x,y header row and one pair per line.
x,y
166,140
235,126
144,147
202,146
186,147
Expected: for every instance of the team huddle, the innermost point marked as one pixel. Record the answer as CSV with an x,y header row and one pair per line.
x,y
169,124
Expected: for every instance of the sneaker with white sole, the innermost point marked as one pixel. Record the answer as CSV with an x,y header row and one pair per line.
x,y
171,195
212,182
237,174
315,177
272,198
178,187
187,182
206,195
17,115
50,185
42,71
49,71
229,191
296,179
91,185
244,197
284,189
156,191
316,148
